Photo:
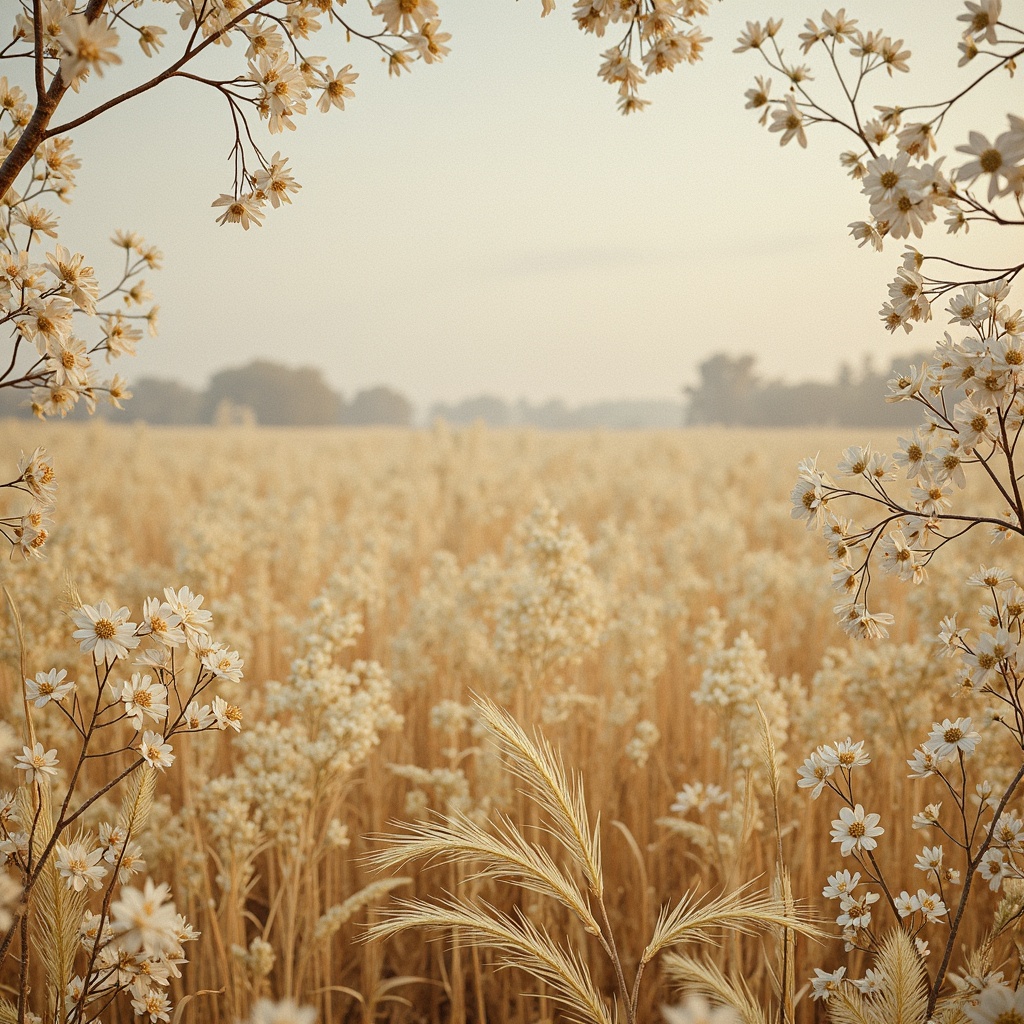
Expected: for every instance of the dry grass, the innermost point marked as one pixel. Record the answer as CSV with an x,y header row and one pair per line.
x,y
599,626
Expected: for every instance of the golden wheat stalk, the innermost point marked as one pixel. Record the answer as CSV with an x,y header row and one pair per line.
x,y
519,942
695,919
56,910
903,998
702,975
540,768
504,855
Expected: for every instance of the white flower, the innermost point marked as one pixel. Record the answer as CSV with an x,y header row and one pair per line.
x,y
145,919
141,696
185,604
160,621
87,46
998,1004
931,905
227,716
948,738
788,120
907,904
994,867
154,751
840,884
855,830
845,754
923,763
108,634
996,159
198,718
872,982
48,686
994,577
814,772
929,859
223,663
981,18
823,984
80,866
37,763
928,817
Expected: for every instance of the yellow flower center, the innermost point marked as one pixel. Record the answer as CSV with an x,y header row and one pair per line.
x,y
105,629
857,829
889,179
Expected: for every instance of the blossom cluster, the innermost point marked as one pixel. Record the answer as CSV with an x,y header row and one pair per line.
x,y
910,186
132,944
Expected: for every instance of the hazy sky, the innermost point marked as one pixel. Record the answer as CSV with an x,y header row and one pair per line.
x,y
492,224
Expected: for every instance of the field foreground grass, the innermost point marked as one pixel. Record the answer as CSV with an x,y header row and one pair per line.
x,y
635,597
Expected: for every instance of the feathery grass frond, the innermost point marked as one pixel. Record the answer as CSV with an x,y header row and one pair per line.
x,y
537,764
846,1005
8,1012
504,854
693,919
702,975
903,998
56,910
519,942
137,801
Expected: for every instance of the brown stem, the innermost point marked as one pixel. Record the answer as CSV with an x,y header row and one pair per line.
x,y
972,867
46,105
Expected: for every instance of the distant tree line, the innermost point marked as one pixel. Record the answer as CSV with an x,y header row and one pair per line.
x,y
730,392
262,392
636,414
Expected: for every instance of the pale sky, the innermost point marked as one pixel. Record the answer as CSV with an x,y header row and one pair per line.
x,y
492,224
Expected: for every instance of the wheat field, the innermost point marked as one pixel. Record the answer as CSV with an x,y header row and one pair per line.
x,y
635,598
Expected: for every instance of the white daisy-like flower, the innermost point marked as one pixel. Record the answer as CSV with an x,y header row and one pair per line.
x,y
841,884
188,606
993,576
106,633
198,718
36,762
948,738
48,686
141,696
145,919
845,754
929,859
855,830
824,983
154,751
223,663
931,905
928,817
227,716
814,772
80,866
923,763
906,904
161,622
872,982
997,1004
